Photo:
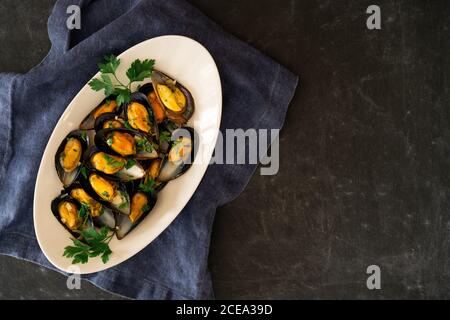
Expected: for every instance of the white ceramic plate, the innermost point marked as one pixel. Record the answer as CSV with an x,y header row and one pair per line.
x,y
191,64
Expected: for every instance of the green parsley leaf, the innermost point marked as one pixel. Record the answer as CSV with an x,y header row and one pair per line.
x,y
145,208
139,70
110,65
84,135
83,171
127,125
83,211
130,163
123,205
164,136
104,83
147,186
113,162
95,244
123,95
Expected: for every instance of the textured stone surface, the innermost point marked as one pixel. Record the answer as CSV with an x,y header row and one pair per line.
x,y
364,154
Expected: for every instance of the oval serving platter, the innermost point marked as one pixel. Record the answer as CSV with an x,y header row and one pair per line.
x,y
190,63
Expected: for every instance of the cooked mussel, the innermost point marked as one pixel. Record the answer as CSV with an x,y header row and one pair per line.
x,y
177,101
108,105
107,191
69,155
151,175
158,110
165,132
141,204
100,214
126,143
125,169
108,121
139,114
181,155
66,210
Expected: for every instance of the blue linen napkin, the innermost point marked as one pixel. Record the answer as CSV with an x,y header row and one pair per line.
x,y
256,94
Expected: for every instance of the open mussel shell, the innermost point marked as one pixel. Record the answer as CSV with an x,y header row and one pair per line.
x,y
165,129
65,209
139,115
69,155
152,173
126,143
108,121
177,101
108,105
159,112
124,169
142,204
181,155
100,214
109,192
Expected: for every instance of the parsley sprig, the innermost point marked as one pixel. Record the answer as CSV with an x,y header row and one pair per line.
x,y
164,136
147,186
84,171
96,244
130,163
138,71
113,162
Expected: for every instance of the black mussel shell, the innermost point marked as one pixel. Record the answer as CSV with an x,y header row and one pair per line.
x,y
141,99
89,122
171,170
121,201
146,88
178,117
107,216
55,210
67,178
100,121
124,223
106,219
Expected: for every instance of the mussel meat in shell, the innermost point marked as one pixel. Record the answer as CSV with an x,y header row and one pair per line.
x,y
174,97
139,114
108,121
181,154
126,143
122,168
141,204
107,191
108,105
65,209
106,163
154,169
121,142
69,154
101,215
158,110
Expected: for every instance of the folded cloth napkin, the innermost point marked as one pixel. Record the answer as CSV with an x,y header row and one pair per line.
x,y
256,94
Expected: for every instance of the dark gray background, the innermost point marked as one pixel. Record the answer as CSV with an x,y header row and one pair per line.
x,y
365,154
